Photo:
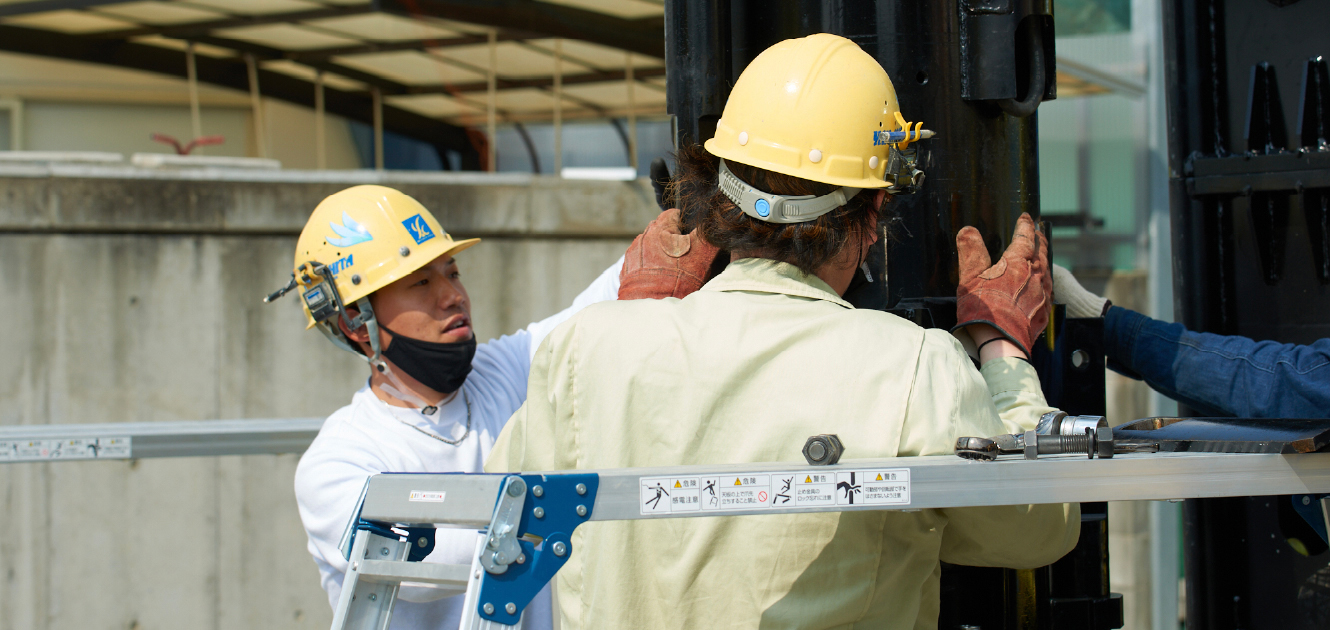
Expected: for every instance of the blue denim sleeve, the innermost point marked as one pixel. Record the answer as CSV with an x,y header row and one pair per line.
x,y
1218,375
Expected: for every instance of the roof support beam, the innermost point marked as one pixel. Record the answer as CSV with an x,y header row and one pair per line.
x,y
320,54
232,73
606,76
644,36
268,53
45,6
195,29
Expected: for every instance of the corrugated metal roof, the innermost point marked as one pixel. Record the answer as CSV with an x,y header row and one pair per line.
x,y
430,64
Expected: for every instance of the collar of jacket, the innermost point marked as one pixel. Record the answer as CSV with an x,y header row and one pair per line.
x,y
762,275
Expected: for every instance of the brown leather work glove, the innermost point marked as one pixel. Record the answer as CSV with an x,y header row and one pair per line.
x,y
663,263
1013,295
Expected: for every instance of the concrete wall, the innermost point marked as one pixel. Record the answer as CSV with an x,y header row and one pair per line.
x,y
135,296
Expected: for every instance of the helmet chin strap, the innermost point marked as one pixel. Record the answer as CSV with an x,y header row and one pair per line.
x,y
396,388
401,392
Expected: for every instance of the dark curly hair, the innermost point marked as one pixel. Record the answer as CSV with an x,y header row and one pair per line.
x,y
807,245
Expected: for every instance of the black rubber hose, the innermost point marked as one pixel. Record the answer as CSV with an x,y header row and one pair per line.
x,y
1035,93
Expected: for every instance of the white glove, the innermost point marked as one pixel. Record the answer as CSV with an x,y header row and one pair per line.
x,y
1080,303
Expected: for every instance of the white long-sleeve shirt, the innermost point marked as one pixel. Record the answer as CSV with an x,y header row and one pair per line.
x,y
370,436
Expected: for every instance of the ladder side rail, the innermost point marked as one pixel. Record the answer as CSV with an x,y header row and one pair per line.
x,y
367,604
935,482
471,619
136,440
534,499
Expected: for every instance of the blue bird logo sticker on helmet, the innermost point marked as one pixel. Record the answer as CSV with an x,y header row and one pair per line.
x,y
351,233
418,228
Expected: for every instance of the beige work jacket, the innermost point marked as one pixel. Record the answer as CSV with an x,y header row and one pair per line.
x,y
744,370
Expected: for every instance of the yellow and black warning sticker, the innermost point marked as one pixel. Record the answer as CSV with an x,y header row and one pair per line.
x,y
749,492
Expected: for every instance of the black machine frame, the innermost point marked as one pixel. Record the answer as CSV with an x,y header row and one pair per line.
x,y
1249,163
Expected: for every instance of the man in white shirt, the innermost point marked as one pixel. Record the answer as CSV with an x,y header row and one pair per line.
x,y
376,274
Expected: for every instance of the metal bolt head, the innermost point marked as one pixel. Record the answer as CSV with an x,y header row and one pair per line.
x,y
355,278
499,558
383,551
373,596
1080,359
560,549
521,558
1103,442
538,512
1306,500
405,251
422,542
581,510
1031,445
580,488
510,608
489,609
823,450
517,488
538,491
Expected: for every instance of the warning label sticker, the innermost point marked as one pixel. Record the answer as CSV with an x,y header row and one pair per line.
x,y
71,448
775,491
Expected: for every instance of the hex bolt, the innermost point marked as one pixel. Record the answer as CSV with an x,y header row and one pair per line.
x,y
517,488
1088,443
510,608
538,491
823,450
580,488
581,510
373,597
489,609
1103,439
538,512
560,549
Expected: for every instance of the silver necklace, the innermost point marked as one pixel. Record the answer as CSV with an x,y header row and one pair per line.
x,y
466,399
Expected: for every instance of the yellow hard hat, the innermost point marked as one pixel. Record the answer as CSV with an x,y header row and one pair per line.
x,y
812,108
363,239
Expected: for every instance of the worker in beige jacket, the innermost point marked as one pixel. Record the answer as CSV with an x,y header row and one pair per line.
x,y
768,353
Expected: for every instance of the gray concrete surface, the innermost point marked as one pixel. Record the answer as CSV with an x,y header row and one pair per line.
x,y
134,295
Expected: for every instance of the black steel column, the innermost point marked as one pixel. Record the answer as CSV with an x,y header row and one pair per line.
x,y
1248,182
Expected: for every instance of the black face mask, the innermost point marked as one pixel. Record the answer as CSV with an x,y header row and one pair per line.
x,y
442,367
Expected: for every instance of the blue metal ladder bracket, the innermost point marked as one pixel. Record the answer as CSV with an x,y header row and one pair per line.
x,y
552,507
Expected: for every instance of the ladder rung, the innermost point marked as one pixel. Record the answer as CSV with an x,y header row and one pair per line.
x,y
392,572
